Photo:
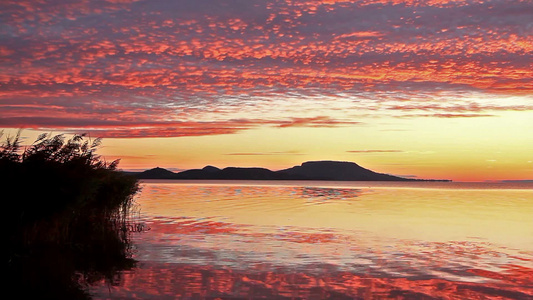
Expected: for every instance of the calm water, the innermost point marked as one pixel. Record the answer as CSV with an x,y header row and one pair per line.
x,y
316,240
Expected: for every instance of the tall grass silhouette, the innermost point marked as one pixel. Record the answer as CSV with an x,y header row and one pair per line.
x,y
67,216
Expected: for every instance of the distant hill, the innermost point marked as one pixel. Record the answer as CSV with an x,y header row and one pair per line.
x,y
337,170
313,170
204,173
230,173
156,173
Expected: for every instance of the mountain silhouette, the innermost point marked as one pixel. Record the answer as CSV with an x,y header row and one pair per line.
x,y
337,170
156,173
205,173
230,173
312,170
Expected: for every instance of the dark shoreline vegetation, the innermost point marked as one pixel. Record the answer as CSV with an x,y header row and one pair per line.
x,y
68,214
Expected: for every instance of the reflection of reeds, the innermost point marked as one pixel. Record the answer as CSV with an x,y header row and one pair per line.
x,y
69,215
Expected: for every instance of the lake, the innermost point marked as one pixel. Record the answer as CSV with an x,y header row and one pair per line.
x,y
336,240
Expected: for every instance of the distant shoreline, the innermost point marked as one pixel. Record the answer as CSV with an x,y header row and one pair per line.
x,y
457,185
307,171
318,180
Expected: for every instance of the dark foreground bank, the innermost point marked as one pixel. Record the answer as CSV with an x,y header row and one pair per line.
x,y
67,217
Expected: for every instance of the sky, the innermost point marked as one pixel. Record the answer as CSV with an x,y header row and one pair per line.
x,y
421,89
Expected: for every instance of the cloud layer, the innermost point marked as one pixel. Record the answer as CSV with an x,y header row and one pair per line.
x,y
172,68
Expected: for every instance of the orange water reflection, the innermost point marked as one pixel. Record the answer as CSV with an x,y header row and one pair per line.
x,y
200,282
331,240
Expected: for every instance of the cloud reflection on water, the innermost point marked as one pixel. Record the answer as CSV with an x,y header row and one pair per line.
x,y
245,240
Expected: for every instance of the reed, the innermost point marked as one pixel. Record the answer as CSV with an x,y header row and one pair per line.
x,y
68,213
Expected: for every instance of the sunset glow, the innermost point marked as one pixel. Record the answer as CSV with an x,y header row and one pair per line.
x,y
421,89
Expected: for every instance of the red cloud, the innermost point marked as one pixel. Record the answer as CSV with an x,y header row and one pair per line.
x,y
136,129
321,121
169,56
